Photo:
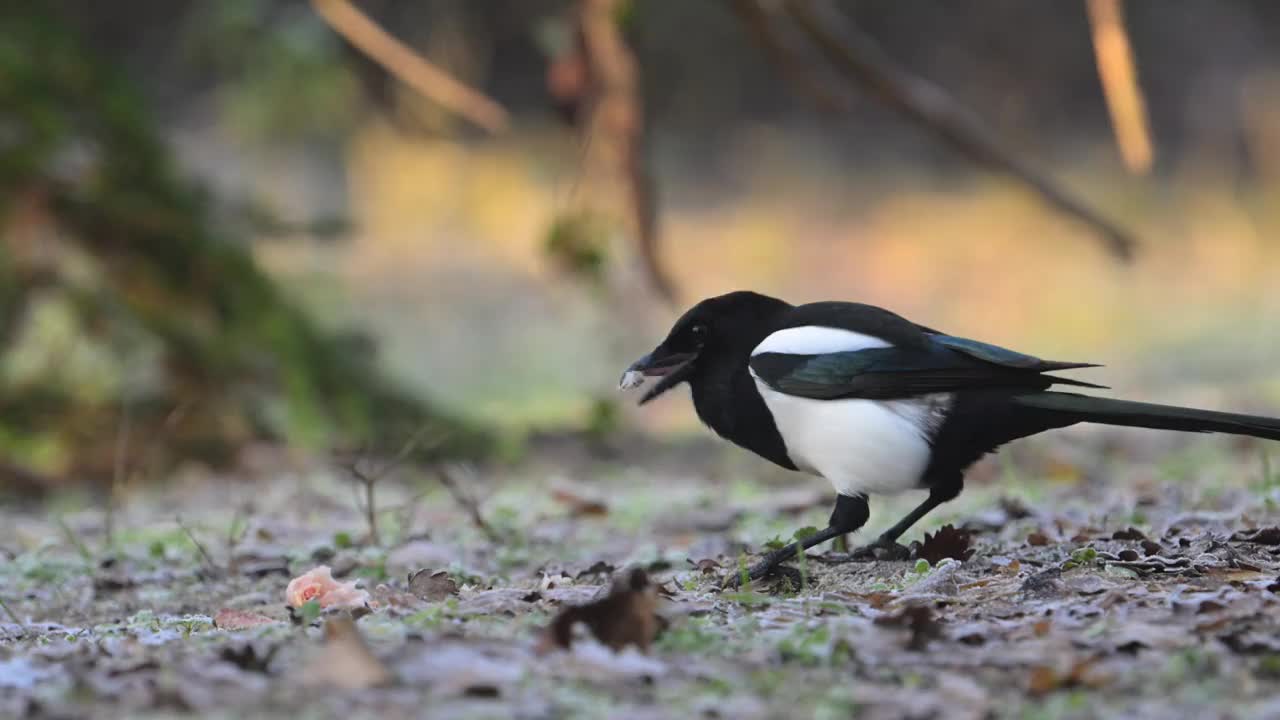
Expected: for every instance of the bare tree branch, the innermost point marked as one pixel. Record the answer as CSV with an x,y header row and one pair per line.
x,y
410,67
785,57
616,127
861,60
1119,80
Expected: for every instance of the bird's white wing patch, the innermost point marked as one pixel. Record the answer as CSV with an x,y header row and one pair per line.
x,y
816,340
861,446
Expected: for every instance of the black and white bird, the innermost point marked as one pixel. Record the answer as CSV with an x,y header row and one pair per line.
x,y
875,403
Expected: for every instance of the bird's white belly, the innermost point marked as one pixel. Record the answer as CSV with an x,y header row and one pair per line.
x,y
860,446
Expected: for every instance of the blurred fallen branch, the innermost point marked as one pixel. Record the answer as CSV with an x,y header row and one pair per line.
x,y
449,478
410,67
615,126
861,60
1119,80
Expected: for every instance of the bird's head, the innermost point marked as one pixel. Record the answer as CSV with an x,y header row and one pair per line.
x,y
715,332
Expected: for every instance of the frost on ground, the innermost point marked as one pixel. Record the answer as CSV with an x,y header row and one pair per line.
x,y
1080,578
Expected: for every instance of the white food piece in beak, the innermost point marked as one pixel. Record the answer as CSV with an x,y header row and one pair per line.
x,y
631,379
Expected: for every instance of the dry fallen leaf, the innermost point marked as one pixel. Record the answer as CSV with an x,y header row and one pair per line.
x,y
432,585
1037,539
345,661
626,616
947,542
706,566
1129,534
579,503
1261,536
919,620
228,619
249,657
1045,680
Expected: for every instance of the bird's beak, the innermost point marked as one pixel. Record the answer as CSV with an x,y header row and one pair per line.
x,y
673,368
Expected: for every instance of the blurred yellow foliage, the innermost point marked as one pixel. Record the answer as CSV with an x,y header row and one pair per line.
x,y
443,222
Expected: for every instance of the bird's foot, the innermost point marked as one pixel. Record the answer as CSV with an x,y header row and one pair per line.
x,y
770,565
881,549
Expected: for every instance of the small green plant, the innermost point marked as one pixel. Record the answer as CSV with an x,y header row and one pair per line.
x,y
1269,666
775,543
342,540
747,598
695,635
75,540
189,624
309,612
807,646
1081,557
1268,483
801,535
375,571
431,618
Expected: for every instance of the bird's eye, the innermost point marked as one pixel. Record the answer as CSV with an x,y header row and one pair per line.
x,y
698,330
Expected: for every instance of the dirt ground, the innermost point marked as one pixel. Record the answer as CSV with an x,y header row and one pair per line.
x,y
1133,575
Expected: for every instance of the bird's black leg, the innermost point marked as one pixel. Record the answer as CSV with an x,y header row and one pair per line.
x,y
850,513
886,545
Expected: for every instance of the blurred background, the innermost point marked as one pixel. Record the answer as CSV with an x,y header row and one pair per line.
x,y
338,225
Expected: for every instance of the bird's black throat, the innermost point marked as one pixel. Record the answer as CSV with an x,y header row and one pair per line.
x,y
727,401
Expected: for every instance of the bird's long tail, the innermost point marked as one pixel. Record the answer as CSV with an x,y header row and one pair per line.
x,y
1088,408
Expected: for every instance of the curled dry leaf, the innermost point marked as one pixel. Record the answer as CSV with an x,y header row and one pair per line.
x,y
345,661
432,585
919,620
1261,536
1128,534
626,616
579,503
947,542
249,657
318,584
1045,680
1037,539
706,566
228,619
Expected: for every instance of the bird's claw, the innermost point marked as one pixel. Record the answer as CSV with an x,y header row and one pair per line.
x,y
762,570
880,550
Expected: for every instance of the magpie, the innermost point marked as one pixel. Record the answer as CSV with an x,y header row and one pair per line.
x,y
875,403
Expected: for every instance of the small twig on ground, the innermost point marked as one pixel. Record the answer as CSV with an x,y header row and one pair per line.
x,y
119,468
465,501
369,505
370,480
126,465
12,615
199,546
75,541
236,532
